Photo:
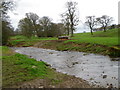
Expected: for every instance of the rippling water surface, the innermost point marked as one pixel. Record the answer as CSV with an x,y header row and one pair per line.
x,y
96,69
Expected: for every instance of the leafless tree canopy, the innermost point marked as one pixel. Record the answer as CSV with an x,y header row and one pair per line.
x,y
91,22
32,25
104,21
70,17
45,22
33,17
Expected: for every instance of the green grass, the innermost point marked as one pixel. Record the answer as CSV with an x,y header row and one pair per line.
x,y
108,41
109,38
100,41
108,33
24,41
6,51
0,52
23,38
105,43
17,68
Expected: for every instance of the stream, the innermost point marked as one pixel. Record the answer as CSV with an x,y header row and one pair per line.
x,y
94,68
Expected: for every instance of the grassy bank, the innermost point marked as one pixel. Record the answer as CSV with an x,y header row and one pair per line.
x,y
81,47
25,42
18,69
105,43
108,38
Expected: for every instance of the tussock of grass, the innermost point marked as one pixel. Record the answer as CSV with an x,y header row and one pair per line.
x,y
6,51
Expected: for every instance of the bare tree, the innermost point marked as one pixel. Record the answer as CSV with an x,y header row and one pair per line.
x,y
45,22
70,16
33,18
91,22
29,25
6,29
66,22
5,6
56,29
44,28
60,29
25,26
104,21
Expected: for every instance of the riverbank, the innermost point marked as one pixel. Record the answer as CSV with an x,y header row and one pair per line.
x,y
105,43
94,68
69,45
66,45
20,71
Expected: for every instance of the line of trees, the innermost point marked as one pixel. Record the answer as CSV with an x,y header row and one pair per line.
x,y
44,27
32,25
103,21
7,29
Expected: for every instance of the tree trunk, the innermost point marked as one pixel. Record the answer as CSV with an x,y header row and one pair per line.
x,y
104,29
68,32
71,33
72,29
91,31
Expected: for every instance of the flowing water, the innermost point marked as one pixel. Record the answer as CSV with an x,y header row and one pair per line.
x,y
96,69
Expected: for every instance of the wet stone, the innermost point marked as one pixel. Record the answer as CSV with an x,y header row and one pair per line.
x,y
115,59
74,63
51,53
104,76
96,66
41,87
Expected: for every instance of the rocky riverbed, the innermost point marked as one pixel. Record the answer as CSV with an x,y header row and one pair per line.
x,y
96,69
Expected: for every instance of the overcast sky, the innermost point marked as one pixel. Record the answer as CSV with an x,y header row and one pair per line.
x,y
53,9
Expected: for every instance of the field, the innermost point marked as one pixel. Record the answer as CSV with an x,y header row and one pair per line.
x,y
109,38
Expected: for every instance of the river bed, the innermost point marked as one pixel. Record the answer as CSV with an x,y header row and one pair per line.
x,y
96,69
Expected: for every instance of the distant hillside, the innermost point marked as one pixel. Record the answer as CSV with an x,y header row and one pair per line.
x,y
108,33
109,38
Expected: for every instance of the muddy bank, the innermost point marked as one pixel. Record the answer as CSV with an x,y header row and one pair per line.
x,y
68,82
60,45
63,45
96,69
